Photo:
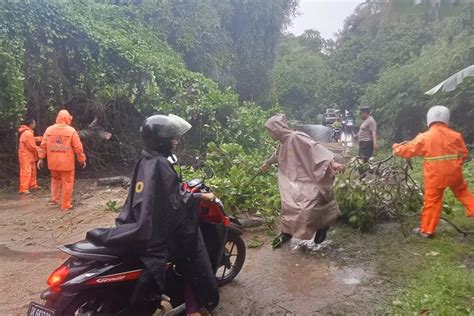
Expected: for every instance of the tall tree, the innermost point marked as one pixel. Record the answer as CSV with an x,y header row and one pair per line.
x,y
232,41
255,27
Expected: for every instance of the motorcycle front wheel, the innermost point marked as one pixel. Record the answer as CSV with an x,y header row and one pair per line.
x,y
232,260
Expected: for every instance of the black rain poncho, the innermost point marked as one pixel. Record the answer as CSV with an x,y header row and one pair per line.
x,y
160,222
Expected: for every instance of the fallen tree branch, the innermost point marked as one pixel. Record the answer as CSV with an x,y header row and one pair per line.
x,y
114,181
459,230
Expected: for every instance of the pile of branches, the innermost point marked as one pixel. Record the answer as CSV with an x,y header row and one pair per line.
x,y
380,190
375,191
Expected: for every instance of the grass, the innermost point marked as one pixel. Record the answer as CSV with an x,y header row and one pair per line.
x,y
112,206
414,275
442,281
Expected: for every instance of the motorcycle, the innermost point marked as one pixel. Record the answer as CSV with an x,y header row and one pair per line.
x,y
336,134
99,280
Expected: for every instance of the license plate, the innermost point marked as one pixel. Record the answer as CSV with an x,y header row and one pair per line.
x,y
39,310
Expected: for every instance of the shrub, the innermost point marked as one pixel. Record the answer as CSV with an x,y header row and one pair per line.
x,y
237,181
367,193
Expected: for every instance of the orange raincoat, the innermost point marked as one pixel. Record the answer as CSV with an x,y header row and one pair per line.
x,y
27,156
444,153
60,142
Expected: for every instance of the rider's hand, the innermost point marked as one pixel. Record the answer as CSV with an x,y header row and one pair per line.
x,y
337,167
83,164
264,168
208,197
40,164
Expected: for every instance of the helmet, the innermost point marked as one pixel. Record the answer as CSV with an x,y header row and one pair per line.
x,y
438,113
158,130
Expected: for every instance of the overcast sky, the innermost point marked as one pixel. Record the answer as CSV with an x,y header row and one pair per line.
x,y
326,16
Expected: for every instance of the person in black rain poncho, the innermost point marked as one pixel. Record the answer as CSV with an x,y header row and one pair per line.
x,y
160,221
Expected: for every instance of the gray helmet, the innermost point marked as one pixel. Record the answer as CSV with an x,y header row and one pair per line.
x,y
158,130
438,113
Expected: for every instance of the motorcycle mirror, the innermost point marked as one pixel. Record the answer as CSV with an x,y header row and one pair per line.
x,y
173,159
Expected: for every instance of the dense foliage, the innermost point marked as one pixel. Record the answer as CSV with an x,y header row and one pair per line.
x,y
238,182
232,42
300,72
384,58
398,94
108,61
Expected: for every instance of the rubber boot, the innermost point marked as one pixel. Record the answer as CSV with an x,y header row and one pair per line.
x,y
321,235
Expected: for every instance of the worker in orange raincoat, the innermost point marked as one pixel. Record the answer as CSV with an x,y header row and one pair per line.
x,y
444,153
60,143
27,156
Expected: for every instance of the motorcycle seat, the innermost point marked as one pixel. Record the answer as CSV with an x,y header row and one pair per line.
x,y
87,250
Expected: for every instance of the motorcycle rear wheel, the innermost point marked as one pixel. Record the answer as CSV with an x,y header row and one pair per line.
x,y
90,304
232,261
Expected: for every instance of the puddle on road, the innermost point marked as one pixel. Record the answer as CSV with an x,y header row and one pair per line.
x,y
297,282
315,267
303,272
9,254
350,276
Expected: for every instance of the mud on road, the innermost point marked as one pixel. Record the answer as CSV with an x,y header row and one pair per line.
x,y
341,279
31,230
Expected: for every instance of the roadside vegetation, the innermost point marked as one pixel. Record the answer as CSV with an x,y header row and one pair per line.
x,y
441,281
226,66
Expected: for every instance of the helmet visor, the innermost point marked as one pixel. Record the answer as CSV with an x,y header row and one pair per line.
x,y
175,127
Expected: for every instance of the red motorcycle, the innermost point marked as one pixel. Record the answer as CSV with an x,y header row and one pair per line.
x,y
99,280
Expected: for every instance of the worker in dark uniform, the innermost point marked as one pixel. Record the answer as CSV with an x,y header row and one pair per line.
x,y
160,221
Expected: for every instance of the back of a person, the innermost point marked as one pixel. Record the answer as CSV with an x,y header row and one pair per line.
x,y
444,152
442,155
59,149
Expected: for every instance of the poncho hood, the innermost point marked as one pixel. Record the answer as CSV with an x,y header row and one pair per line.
x,y
278,128
23,128
64,118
